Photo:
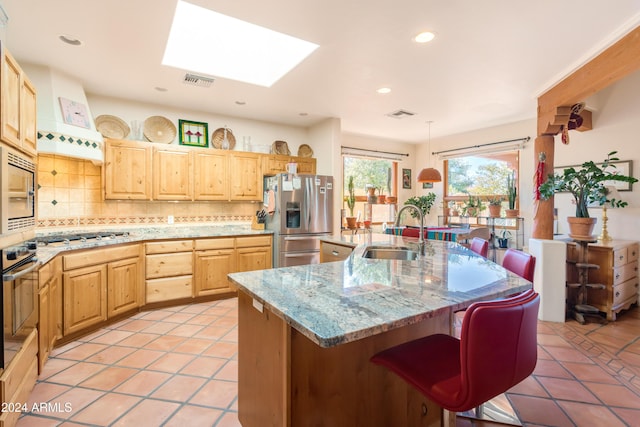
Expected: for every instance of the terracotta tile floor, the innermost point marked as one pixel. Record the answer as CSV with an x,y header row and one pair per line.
x,y
178,366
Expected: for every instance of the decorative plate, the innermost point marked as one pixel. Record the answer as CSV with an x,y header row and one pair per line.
x,y
280,147
305,151
159,129
218,136
112,127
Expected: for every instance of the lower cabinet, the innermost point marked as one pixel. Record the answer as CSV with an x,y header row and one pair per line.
x,y
49,309
99,284
169,270
254,253
214,259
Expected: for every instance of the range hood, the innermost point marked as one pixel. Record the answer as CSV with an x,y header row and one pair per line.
x,y
55,136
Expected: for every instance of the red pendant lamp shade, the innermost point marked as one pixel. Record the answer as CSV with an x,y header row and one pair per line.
x,y
429,175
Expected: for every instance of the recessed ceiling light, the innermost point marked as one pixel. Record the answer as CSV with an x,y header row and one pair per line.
x,y
240,103
160,89
384,90
424,37
303,114
205,41
70,40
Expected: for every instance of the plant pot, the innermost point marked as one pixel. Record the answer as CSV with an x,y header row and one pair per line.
x,y
512,213
381,199
372,199
503,243
454,212
471,211
494,211
581,228
391,199
351,222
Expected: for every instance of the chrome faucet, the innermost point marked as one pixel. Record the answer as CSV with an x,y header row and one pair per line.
x,y
421,242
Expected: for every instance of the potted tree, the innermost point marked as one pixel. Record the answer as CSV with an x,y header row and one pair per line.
x,y
351,203
512,195
587,185
424,203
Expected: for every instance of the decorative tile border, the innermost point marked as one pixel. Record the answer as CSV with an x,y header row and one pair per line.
x,y
92,221
72,140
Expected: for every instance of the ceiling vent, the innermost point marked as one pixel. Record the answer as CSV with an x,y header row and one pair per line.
x,y
196,80
401,114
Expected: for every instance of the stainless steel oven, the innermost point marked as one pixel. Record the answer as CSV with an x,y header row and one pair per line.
x,y
17,191
19,297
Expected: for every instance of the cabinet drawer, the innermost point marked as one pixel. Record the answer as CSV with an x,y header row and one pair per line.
x,y
169,247
625,290
334,252
19,367
251,241
169,288
620,257
632,253
99,256
167,265
624,273
222,243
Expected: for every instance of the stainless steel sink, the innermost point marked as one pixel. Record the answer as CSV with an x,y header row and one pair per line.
x,y
390,252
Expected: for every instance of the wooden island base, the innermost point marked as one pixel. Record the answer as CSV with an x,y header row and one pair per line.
x,y
285,379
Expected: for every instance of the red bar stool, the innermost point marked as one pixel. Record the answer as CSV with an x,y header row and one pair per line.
x,y
520,263
497,349
480,246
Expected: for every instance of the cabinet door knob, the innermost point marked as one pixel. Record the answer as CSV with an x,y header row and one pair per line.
x,y
617,293
617,275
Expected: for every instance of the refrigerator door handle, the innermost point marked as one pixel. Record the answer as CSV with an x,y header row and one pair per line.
x,y
308,202
296,238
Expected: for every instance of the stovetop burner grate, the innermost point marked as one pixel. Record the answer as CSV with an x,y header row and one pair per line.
x,y
58,238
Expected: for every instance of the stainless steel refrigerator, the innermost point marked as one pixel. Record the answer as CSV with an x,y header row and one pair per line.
x,y
301,213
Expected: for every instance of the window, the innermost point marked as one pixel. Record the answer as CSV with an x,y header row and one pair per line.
x,y
369,172
479,175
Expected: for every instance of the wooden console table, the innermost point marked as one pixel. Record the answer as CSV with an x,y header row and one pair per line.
x,y
617,271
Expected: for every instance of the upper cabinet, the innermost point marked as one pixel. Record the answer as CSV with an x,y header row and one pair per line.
x,y
133,168
172,173
274,164
246,178
18,106
127,170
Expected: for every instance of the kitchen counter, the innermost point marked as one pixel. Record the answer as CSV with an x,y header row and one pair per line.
x,y
339,302
306,333
141,233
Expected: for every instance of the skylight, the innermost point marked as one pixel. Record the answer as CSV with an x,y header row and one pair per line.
x,y
208,42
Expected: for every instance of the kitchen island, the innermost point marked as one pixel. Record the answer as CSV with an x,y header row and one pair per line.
x,y
306,333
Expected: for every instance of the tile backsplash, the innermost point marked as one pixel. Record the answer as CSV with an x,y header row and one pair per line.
x,y
70,194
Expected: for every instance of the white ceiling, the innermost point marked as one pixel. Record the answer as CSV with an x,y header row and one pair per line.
x,y
488,63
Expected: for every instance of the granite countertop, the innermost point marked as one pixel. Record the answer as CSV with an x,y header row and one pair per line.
x,y
340,302
140,233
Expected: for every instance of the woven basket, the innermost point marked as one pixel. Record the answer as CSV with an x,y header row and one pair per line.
x,y
218,136
305,151
159,129
280,147
112,127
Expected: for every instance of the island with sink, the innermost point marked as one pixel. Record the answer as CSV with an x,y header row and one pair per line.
x,y
306,333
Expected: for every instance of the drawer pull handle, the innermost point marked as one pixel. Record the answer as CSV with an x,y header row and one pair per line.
x,y
617,275
334,253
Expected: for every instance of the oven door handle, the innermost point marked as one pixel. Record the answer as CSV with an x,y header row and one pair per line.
x,y
19,274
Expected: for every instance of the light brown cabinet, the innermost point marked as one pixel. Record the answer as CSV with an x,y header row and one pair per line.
x,y
17,106
214,260
99,284
172,173
274,164
211,175
254,253
49,309
127,170
169,270
246,176
617,262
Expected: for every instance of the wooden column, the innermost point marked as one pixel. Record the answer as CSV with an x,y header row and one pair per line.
x,y
543,215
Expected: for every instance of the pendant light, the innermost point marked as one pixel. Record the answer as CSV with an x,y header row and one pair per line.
x,y
429,174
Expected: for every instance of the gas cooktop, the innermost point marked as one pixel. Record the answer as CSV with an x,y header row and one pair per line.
x,y
81,237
